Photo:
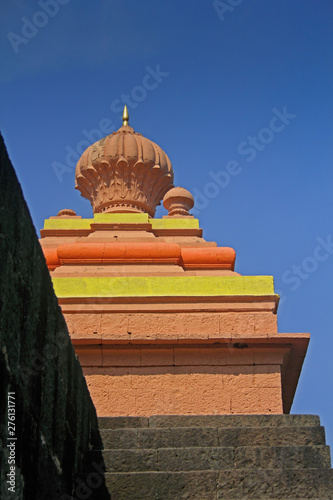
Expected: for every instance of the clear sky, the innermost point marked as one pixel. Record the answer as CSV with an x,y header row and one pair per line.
x,y
239,95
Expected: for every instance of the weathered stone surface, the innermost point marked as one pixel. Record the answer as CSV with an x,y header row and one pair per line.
x,y
121,422
203,485
253,456
282,457
282,436
177,437
169,459
119,438
55,421
216,458
212,436
275,484
163,485
159,438
198,458
233,421
131,460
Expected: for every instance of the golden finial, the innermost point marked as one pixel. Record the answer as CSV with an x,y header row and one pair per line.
x,y
125,116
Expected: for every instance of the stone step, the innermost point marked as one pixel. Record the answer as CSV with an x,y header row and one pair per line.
x,y
267,484
211,437
200,458
210,421
122,422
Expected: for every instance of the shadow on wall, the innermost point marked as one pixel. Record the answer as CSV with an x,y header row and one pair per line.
x,y
48,424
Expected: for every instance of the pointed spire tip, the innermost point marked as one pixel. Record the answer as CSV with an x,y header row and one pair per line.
x,y
125,116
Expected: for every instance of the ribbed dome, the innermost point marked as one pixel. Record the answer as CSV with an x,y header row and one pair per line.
x,y
124,172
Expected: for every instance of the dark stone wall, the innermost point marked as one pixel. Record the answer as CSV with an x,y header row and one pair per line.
x,y
55,420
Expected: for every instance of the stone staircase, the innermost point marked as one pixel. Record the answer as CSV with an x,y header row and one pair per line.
x,y
215,457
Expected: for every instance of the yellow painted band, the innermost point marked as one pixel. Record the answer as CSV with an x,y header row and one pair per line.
x,y
163,286
175,223
98,219
121,218
68,223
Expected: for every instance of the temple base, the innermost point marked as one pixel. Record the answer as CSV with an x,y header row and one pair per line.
x,y
247,375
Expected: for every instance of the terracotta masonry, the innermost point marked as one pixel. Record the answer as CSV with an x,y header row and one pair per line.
x,y
161,322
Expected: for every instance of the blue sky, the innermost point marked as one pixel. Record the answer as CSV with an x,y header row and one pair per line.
x,y
239,97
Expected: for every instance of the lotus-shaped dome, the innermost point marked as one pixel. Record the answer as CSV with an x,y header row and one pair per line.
x,y
124,172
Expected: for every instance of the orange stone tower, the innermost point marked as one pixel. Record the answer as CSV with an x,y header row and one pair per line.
x,y
161,322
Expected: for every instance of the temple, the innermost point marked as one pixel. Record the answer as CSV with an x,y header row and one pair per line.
x,y
159,318
184,384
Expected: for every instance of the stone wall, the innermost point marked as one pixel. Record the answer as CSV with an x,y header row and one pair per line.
x,y
48,410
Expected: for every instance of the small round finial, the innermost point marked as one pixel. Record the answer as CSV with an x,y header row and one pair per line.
x,y
66,211
178,201
125,116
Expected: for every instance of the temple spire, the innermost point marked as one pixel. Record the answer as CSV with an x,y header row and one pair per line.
x,y
125,116
103,172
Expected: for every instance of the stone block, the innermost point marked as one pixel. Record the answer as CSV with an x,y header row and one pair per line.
x,y
269,356
280,483
121,356
282,457
91,356
241,421
155,325
131,460
265,322
240,356
212,355
201,323
119,439
114,325
238,377
163,485
69,318
267,375
195,458
277,436
236,323
157,356
87,324
122,422
177,437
